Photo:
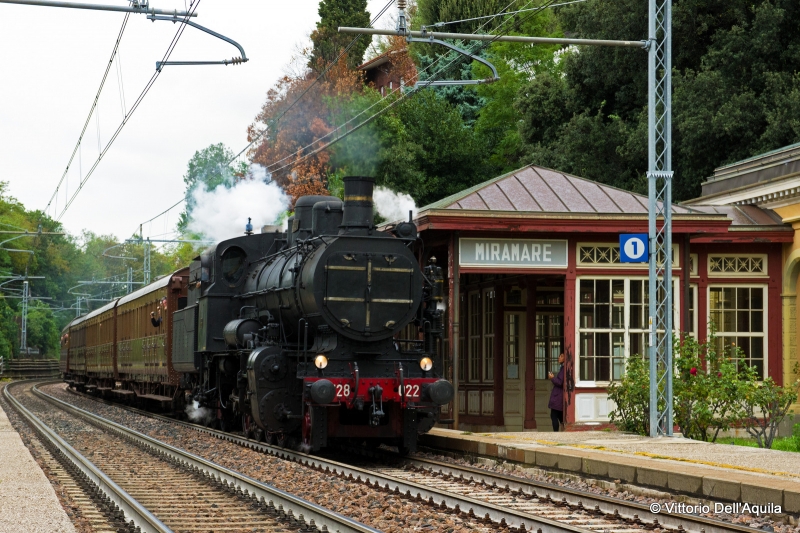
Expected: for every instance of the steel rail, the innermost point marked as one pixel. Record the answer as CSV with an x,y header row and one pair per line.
x,y
606,504
465,504
626,509
308,510
134,511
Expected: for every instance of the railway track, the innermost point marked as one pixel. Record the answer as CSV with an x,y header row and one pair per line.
x,y
155,487
495,498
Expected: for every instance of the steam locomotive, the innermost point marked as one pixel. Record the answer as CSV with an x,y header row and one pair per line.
x,y
326,331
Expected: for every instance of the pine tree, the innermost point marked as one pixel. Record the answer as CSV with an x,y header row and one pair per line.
x,y
329,43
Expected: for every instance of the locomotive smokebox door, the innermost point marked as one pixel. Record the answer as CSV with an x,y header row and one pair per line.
x,y
370,295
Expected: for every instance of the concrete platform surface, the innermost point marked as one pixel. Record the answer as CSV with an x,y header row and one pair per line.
x,y
713,471
27,500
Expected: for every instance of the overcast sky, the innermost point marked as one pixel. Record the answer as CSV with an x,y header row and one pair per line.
x,y
52,63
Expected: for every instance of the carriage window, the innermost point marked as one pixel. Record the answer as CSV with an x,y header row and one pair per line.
x,y
233,263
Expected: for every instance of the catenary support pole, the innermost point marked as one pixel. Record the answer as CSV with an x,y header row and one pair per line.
x,y
23,345
659,178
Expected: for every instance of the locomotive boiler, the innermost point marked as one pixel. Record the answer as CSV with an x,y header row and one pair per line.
x,y
328,330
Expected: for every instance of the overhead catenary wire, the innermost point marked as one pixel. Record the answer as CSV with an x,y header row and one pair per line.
x,y
440,24
483,44
321,75
386,97
285,111
91,112
130,113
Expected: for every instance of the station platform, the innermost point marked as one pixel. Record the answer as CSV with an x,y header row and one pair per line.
x,y
715,472
27,500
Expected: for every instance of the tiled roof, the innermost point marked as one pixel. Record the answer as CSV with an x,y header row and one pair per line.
x,y
535,189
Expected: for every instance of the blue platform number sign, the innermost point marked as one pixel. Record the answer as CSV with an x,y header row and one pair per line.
x,y
633,248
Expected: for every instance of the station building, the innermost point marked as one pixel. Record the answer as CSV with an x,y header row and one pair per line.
x,y
533,270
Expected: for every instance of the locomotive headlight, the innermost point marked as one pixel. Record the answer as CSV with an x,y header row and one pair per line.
x,y
425,364
320,361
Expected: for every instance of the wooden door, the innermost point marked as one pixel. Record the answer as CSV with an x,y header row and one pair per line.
x,y
549,343
514,370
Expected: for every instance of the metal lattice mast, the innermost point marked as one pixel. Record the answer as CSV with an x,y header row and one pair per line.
x,y
23,345
147,261
659,178
130,280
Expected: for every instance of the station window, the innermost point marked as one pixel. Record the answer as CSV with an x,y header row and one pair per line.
x,y
474,347
737,313
462,345
613,321
513,328
488,334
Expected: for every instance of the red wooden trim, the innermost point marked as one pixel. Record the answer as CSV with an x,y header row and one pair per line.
x,y
518,271
570,350
702,293
744,237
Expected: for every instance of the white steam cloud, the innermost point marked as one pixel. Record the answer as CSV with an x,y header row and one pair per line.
x,y
222,213
393,206
199,415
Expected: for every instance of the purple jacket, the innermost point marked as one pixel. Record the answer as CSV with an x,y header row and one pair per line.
x,y
557,394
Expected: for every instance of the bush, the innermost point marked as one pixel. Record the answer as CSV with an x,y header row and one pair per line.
x,y
632,398
765,405
712,392
707,387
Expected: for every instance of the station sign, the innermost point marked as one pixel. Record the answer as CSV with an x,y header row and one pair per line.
x,y
633,248
515,253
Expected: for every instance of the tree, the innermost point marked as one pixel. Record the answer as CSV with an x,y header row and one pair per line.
x,y
736,91
430,12
208,168
329,43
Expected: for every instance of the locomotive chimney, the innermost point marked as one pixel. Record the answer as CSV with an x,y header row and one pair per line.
x,y
358,217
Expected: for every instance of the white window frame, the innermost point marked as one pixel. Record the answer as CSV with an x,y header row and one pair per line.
x,y
765,334
487,339
580,382
474,336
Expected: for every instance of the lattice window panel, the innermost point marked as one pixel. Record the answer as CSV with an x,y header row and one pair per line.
x,y
738,265
608,254
598,255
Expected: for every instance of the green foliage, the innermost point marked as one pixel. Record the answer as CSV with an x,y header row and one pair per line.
x,y
208,168
43,329
707,389
328,42
426,151
631,395
712,392
430,12
765,405
736,91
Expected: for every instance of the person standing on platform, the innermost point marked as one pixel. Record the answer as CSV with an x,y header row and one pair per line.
x,y
556,403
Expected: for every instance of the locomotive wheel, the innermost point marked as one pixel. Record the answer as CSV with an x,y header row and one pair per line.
x,y
282,440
